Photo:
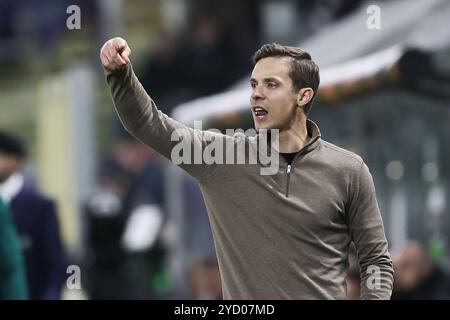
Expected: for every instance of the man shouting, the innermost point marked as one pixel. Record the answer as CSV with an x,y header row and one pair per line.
x,y
284,235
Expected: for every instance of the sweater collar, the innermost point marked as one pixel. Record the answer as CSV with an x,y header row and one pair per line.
x,y
273,155
314,134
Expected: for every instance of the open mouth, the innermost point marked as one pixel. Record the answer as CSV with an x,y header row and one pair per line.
x,y
259,112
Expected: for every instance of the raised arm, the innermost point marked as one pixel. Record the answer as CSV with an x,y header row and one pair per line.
x,y
140,115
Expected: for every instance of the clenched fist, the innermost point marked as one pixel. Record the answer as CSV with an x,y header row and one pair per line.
x,y
115,54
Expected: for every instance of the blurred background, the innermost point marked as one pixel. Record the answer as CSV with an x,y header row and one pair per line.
x,y
136,227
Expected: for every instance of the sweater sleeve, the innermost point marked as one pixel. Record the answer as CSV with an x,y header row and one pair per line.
x,y
173,140
367,232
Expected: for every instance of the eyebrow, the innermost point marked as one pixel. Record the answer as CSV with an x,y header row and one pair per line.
x,y
269,79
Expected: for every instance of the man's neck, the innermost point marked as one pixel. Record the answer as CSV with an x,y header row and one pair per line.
x,y
293,139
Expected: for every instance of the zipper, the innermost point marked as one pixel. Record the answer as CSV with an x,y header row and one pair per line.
x,y
289,167
288,172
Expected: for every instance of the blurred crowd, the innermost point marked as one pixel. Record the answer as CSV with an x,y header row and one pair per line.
x,y
126,254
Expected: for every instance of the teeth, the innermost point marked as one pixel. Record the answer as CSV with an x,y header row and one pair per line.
x,y
259,109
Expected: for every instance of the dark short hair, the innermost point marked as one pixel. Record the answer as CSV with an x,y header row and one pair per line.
x,y
304,72
12,145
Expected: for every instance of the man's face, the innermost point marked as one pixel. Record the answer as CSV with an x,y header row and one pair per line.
x,y
8,165
273,99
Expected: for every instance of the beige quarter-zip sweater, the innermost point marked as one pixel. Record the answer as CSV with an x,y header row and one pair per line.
x,y
280,236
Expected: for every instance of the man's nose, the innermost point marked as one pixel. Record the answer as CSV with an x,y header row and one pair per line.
x,y
257,94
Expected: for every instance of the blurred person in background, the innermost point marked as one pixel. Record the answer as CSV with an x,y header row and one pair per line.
x,y
144,238
204,279
417,276
104,215
13,285
275,237
126,253
35,218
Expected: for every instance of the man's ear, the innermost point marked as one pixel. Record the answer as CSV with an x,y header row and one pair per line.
x,y
304,96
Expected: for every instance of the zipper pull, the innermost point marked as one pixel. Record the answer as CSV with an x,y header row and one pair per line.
x,y
288,172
